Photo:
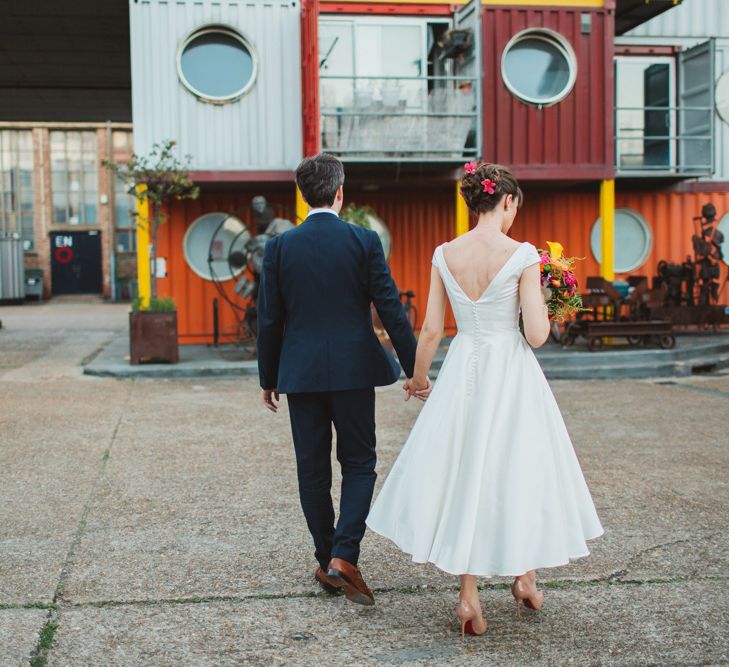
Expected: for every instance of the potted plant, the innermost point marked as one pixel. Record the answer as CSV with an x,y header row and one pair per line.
x,y
158,178
153,331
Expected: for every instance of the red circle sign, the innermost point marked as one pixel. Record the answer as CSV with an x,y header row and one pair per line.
x,y
64,254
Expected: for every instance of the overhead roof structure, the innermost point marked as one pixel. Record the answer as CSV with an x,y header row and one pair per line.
x,y
69,60
65,60
631,13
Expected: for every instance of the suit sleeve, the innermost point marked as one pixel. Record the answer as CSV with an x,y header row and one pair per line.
x,y
386,297
271,318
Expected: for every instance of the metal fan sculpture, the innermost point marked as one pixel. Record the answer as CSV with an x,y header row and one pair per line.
x,y
237,253
252,258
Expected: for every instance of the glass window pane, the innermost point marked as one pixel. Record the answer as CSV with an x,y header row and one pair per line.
x,y
537,68
633,240
217,64
724,229
16,183
643,97
89,214
207,236
336,58
60,212
91,181
125,242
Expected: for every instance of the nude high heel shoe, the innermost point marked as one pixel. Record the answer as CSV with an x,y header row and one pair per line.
x,y
529,596
472,621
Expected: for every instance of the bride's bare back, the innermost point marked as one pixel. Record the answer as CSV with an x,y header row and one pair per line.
x,y
475,259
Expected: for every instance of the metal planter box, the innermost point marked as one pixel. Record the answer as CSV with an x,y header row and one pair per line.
x,y
153,337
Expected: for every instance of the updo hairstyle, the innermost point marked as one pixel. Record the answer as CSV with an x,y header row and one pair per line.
x,y
502,182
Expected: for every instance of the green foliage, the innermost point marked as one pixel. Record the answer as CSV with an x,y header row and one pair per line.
x,y
39,658
165,176
156,305
357,215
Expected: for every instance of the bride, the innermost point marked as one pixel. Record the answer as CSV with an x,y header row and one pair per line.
x,y
488,483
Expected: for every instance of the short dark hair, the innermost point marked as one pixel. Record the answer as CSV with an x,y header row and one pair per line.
x,y
319,177
476,196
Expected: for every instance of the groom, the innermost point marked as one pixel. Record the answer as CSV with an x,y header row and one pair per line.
x,y
317,345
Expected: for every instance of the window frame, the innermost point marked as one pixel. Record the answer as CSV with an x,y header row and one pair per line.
x,y
672,103
66,171
12,217
386,21
645,252
190,265
230,32
551,37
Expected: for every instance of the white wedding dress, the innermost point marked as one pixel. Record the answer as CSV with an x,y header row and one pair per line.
x,y
488,482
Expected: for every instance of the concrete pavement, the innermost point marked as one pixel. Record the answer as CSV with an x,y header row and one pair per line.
x,y
156,522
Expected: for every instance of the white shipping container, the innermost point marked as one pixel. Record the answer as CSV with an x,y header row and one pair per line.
x,y
259,130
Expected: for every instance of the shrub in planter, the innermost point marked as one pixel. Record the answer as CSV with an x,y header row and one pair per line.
x,y
153,332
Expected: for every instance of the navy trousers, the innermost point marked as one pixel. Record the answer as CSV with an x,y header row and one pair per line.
x,y
353,415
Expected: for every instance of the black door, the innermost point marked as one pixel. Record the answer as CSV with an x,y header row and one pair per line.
x,y
76,262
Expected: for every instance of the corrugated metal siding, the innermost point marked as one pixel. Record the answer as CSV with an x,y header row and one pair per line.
x,y
692,18
193,295
421,219
261,130
569,217
418,220
578,131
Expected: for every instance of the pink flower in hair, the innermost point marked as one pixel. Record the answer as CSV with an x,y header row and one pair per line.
x,y
489,186
470,167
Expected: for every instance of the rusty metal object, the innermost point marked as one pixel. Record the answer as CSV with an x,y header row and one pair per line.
x,y
638,333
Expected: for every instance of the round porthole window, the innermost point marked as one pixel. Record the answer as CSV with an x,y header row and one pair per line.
x,y
539,66
721,95
633,240
724,229
217,64
209,243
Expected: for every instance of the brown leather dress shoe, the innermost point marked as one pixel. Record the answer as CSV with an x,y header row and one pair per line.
x,y
348,577
326,582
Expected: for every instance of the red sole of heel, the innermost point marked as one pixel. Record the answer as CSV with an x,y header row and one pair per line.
x,y
468,628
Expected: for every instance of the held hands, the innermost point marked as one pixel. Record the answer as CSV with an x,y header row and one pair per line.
x,y
268,396
419,388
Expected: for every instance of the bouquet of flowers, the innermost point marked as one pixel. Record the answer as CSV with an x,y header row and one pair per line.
x,y
559,280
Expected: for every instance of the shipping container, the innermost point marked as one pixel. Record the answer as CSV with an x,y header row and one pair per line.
x,y
571,136
223,79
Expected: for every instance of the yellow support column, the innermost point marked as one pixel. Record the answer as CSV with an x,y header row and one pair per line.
x,y
144,276
461,211
607,224
302,208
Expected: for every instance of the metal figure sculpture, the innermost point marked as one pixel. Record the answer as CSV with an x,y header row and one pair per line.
x,y
244,256
707,249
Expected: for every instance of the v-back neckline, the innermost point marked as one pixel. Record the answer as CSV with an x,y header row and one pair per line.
x,y
491,282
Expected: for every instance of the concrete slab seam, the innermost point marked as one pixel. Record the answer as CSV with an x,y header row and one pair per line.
x,y
46,634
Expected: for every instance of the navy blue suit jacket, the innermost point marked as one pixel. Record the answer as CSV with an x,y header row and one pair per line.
x,y
314,323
